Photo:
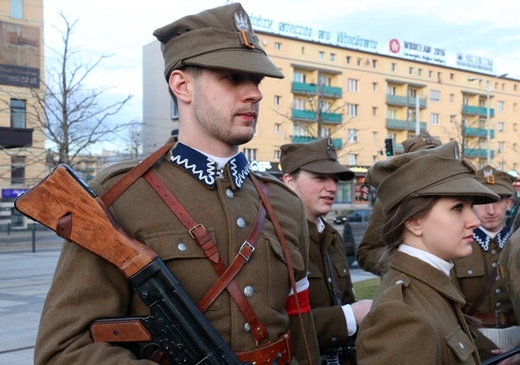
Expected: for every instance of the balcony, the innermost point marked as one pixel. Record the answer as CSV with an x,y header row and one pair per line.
x,y
403,125
327,91
477,153
337,142
397,100
477,110
310,116
15,137
478,132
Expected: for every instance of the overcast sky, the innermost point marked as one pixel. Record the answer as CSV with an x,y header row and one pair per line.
x,y
120,28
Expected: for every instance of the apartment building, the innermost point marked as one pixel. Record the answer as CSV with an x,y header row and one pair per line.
x,y
361,92
22,152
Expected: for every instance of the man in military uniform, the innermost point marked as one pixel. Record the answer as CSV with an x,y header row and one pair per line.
x,y
372,244
313,171
486,296
213,66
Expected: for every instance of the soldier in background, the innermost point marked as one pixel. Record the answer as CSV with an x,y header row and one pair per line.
x,y
312,171
486,296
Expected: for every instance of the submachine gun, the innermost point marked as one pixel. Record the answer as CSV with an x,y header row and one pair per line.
x,y
65,204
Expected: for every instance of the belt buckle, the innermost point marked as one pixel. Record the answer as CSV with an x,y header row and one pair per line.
x,y
249,246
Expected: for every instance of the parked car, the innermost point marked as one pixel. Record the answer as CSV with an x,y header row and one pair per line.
x,y
361,215
340,219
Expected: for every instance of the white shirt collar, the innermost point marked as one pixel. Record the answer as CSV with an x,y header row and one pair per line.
x,y
320,225
427,257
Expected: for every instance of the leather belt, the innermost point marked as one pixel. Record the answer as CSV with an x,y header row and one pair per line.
x,y
499,319
279,353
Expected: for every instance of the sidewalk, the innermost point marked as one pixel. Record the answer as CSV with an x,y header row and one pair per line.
x,y
25,278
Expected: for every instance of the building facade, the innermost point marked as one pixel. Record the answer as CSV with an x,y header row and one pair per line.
x,y
361,98
22,151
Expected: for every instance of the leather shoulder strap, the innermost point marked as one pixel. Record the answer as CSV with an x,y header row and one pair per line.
x,y
118,188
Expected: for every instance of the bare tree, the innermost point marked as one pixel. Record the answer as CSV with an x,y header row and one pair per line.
x,y
72,116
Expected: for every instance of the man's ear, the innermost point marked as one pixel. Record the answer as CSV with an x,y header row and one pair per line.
x,y
414,226
180,83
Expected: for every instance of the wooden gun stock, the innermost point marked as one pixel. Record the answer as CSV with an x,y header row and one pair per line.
x,y
63,203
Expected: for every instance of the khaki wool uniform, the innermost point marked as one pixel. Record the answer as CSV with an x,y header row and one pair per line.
x,y
473,272
509,270
331,327
372,245
415,303
86,287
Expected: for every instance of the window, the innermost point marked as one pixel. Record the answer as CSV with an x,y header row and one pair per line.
x,y
419,71
374,86
298,76
374,111
374,136
277,100
452,97
18,113
277,46
410,71
374,63
394,66
321,55
452,76
16,9
391,113
359,60
352,159
352,135
434,119
500,126
430,74
501,106
17,170
250,154
347,59
412,93
276,155
277,127
298,131
435,96
325,132
353,85
299,104
500,147
515,107
352,110
391,90
325,80
303,50
332,57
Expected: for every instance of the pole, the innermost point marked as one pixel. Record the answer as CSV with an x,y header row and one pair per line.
x,y
417,119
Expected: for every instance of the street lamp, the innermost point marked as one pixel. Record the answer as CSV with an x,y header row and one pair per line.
x,y
488,114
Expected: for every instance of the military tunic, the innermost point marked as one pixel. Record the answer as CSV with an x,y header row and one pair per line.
x,y
509,270
86,287
474,270
329,319
372,245
416,318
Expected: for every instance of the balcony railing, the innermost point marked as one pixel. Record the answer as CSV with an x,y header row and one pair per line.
x,y
478,132
398,100
477,110
337,142
328,91
477,153
15,137
403,125
310,116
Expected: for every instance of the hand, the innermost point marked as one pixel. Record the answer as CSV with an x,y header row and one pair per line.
x,y
360,309
513,360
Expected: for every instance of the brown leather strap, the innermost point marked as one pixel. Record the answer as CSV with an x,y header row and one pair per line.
x,y
118,188
485,290
199,233
279,352
281,237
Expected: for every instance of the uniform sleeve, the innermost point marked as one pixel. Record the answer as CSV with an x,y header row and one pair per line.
x,y
509,270
372,246
295,325
84,288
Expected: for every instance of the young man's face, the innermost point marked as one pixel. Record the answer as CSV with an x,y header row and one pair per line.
x,y
317,191
492,216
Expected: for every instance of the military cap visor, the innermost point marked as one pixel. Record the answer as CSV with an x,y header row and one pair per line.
x,y
220,38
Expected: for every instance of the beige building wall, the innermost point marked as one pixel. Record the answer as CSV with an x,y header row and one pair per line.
x,y
379,92
21,44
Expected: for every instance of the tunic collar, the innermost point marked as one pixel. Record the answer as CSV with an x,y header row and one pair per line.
x,y
483,239
206,170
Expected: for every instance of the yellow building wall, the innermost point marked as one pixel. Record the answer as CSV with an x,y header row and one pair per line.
x,y
444,90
